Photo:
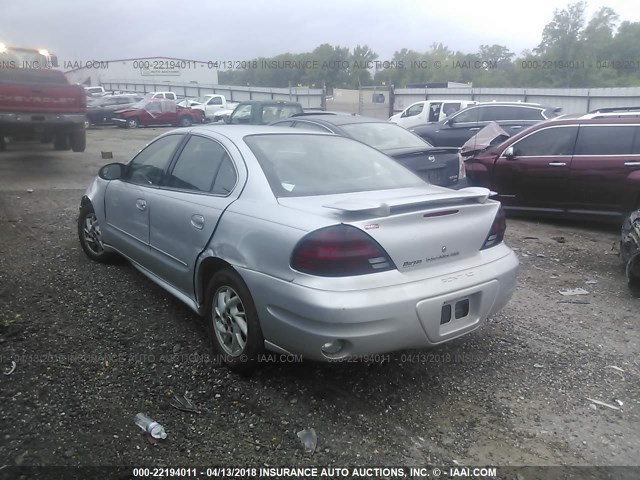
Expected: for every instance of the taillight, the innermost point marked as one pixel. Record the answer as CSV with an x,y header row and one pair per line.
x,y
496,234
462,171
339,251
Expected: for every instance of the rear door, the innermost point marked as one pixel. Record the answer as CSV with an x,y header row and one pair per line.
x,y
537,175
605,171
126,200
204,180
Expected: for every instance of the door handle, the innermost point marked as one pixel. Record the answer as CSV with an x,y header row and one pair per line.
x,y
516,127
632,164
141,204
474,129
557,164
197,221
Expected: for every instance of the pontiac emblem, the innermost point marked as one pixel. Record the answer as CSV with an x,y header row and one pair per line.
x,y
432,159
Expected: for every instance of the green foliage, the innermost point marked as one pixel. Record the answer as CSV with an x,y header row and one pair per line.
x,y
572,53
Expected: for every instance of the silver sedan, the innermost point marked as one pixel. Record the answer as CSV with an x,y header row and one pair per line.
x,y
301,242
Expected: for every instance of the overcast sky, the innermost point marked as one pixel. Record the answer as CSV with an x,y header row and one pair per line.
x,y
227,30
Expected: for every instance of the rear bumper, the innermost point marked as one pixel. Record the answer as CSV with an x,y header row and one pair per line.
x,y
18,123
300,320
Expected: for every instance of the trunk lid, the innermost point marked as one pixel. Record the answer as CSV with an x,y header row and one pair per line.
x,y
417,227
439,166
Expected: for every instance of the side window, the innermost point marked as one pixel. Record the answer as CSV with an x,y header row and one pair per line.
x,y
311,126
147,168
609,140
434,112
531,114
414,110
467,116
226,178
197,165
547,142
215,101
287,111
152,107
494,113
270,114
242,114
450,108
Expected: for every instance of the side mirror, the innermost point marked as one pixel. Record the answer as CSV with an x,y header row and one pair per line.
x,y
450,122
112,171
227,119
509,153
404,114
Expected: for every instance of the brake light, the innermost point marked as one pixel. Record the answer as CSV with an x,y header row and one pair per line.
x,y
496,234
339,251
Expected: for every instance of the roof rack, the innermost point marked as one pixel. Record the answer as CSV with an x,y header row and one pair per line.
x,y
615,109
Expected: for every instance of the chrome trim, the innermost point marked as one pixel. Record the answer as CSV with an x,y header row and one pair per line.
x,y
126,233
168,255
632,164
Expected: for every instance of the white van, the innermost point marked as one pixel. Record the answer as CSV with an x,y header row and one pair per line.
x,y
428,111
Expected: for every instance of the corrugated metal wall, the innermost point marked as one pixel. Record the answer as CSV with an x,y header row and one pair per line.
x,y
571,100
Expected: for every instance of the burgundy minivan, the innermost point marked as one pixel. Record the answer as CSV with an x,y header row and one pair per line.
x,y
571,167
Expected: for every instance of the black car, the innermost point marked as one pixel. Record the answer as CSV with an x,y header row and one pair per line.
x,y
455,130
440,166
100,111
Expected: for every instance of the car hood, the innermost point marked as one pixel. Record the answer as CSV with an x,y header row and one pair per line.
x,y
489,136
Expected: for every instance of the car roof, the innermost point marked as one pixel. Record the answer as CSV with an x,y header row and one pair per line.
x,y
336,119
238,132
515,104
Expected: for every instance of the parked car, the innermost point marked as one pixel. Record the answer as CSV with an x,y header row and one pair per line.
x,y
429,111
156,112
259,112
570,167
461,126
301,242
213,106
161,95
100,111
94,91
440,166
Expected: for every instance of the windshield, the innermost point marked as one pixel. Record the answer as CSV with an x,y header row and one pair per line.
x,y
302,165
384,136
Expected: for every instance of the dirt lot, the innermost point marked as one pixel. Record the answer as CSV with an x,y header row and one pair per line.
x,y
95,344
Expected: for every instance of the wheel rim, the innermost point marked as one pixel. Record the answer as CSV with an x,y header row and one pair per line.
x,y
132,123
186,122
229,321
91,234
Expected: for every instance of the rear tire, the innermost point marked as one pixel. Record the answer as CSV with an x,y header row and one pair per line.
x,y
232,321
79,140
90,236
61,142
133,123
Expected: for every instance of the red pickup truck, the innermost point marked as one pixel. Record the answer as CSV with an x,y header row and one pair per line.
x,y
39,103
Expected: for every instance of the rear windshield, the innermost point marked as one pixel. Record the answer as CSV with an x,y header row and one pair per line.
x,y
383,136
32,76
305,165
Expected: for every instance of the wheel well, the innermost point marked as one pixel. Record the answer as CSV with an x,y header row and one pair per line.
x,y
207,269
84,201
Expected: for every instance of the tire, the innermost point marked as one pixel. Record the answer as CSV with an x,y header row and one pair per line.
x,y
46,138
185,121
61,142
79,140
133,122
240,351
90,236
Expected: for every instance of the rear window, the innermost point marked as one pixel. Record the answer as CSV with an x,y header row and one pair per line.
x,y
383,135
606,140
307,165
32,76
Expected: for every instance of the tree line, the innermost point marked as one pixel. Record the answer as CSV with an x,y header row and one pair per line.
x,y
573,53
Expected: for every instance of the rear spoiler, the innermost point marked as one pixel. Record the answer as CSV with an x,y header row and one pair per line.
x,y
383,209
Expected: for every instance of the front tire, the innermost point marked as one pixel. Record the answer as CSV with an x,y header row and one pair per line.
x,y
133,123
232,321
90,236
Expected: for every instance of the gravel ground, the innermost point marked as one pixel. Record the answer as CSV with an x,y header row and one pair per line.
x,y
96,344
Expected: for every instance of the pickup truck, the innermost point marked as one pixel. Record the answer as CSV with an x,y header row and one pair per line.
x,y
262,112
156,112
213,106
428,111
41,104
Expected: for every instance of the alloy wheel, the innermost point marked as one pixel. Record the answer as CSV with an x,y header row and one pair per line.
x,y
229,321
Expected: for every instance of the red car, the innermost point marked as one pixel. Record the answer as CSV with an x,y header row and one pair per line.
x,y
157,112
572,167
